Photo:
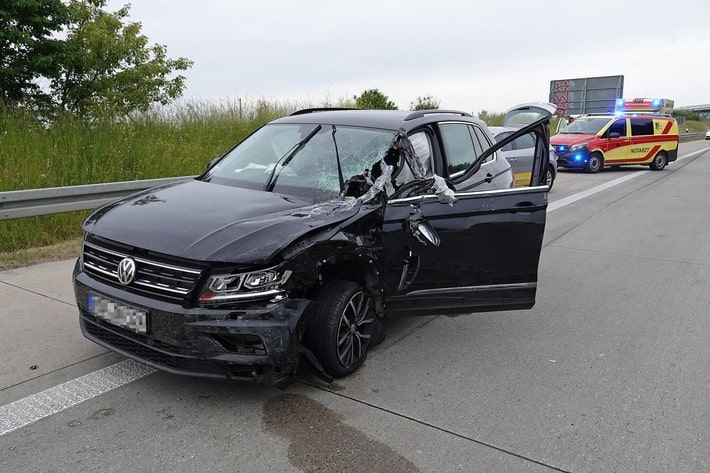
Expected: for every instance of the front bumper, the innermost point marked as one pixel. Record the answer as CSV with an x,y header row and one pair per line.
x,y
256,342
577,159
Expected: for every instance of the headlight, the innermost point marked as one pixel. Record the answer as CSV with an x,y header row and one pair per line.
x,y
240,286
578,147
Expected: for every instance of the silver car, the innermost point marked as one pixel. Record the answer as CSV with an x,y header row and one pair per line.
x,y
520,152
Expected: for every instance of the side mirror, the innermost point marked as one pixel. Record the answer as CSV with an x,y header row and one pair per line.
x,y
614,135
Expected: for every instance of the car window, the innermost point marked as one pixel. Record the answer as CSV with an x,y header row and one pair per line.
x,y
525,114
483,144
585,126
641,126
524,142
619,126
302,160
503,135
460,149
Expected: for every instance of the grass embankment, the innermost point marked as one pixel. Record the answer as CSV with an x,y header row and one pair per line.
x,y
71,152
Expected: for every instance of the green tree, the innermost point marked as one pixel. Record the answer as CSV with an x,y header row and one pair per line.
x,y
374,99
426,102
27,49
108,67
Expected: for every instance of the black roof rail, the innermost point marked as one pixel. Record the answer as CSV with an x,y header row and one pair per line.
x,y
320,109
420,113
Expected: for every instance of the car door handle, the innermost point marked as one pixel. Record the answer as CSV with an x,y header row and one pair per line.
x,y
489,177
523,208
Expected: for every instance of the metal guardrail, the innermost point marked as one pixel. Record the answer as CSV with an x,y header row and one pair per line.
x,y
685,137
53,200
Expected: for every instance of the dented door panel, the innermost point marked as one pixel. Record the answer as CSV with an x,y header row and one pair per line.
x,y
487,258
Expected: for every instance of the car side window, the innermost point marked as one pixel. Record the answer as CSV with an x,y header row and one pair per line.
x,y
641,126
502,136
483,144
524,142
459,145
619,126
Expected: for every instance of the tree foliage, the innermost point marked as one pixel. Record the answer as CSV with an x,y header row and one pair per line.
x,y
109,68
102,66
687,114
28,49
426,102
374,99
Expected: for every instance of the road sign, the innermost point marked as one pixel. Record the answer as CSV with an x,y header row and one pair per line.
x,y
586,95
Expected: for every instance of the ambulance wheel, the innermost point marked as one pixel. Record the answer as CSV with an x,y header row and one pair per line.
x,y
595,163
659,162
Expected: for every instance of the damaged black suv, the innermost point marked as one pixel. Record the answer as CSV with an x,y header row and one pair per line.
x,y
299,240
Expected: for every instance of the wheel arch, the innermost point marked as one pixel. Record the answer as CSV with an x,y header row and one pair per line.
x,y
333,260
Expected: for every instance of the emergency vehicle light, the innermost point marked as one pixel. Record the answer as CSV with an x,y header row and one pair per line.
x,y
643,105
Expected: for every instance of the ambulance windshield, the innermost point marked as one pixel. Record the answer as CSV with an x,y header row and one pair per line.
x,y
586,126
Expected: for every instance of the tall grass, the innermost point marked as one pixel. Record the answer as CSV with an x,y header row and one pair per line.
x,y
177,141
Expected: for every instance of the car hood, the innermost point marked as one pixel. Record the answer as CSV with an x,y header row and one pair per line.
x,y
210,222
570,139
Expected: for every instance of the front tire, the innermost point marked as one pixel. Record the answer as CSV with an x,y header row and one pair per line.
x,y
550,178
595,163
339,333
659,162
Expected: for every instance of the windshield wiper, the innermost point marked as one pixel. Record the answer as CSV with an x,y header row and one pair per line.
x,y
287,157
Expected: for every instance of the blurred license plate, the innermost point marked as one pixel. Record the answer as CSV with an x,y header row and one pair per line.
x,y
118,314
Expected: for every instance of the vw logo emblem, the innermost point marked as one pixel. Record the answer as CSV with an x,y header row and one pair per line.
x,y
126,271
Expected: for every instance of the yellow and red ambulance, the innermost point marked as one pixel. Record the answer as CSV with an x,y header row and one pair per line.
x,y
634,134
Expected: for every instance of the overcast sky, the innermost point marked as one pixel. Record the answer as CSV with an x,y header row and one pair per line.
x,y
471,55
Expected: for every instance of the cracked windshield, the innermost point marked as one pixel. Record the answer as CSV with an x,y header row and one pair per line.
x,y
302,160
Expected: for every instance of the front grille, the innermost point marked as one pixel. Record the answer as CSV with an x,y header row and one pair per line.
x,y
163,278
150,354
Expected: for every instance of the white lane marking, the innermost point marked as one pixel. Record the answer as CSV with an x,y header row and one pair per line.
x,y
32,408
558,204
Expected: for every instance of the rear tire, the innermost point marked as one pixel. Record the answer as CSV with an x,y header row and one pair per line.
x,y
339,333
595,163
550,178
659,162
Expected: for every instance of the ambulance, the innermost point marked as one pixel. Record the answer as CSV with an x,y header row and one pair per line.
x,y
636,134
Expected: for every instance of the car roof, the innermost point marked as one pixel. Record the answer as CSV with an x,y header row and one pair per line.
x,y
386,119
